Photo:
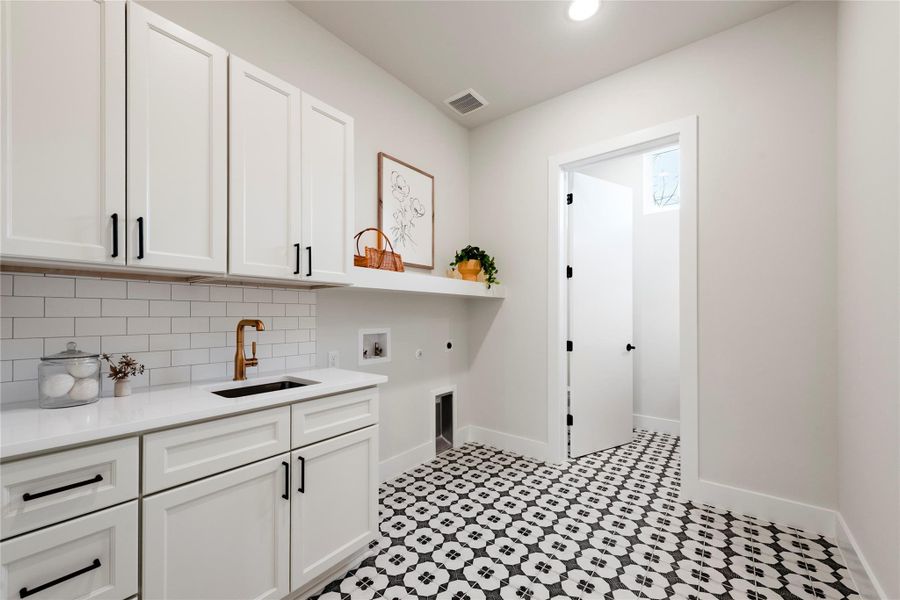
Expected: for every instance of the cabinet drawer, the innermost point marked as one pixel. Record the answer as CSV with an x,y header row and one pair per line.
x,y
184,454
90,557
318,420
51,488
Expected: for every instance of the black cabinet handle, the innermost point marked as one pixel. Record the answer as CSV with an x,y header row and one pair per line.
x,y
115,224
302,488
140,221
297,250
287,480
309,261
629,347
25,592
29,496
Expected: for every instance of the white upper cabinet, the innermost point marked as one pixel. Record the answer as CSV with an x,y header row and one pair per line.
x,y
62,114
264,174
177,147
328,197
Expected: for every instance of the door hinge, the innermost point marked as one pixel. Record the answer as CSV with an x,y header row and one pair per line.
x,y
569,272
569,420
569,198
569,345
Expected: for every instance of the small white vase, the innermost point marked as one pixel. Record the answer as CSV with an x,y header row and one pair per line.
x,y
122,388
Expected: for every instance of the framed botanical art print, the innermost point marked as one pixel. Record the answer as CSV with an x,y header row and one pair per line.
x,y
406,210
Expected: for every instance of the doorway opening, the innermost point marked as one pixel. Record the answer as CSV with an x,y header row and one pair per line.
x,y
443,422
680,134
622,295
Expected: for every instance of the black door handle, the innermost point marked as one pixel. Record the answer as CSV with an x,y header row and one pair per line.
x,y
140,221
25,592
309,261
297,250
629,347
287,480
115,227
302,488
29,496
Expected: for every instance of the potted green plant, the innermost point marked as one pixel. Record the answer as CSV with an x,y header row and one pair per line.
x,y
122,372
471,260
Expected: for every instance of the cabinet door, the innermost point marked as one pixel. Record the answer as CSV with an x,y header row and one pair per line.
x,y
264,173
62,114
334,505
177,147
223,537
328,197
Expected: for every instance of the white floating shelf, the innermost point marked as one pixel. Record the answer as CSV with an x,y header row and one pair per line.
x,y
418,283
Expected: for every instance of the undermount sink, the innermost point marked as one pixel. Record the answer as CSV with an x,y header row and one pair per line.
x,y
262,388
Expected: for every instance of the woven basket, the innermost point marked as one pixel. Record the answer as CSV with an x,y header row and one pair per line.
x,y
375,258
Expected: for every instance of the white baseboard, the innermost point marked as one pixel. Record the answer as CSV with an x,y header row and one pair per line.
x,y
808,517
397,464
670,426
866,583
505,441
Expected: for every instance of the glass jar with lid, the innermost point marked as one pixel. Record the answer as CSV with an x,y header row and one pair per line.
x,y
69,378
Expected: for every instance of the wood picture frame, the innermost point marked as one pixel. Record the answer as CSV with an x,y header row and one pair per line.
x,y
408,192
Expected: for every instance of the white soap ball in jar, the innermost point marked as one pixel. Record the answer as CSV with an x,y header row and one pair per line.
x,y
80,370
57,385
84,389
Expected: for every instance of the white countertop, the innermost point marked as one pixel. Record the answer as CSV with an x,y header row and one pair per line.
x,y
26,429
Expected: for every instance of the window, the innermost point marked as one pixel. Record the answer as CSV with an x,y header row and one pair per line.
x,y
662,169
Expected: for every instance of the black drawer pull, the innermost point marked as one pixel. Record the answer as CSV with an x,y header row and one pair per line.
x,y
115,227
302,488
29,496
297,250
287,480
25,592
309,261
140,222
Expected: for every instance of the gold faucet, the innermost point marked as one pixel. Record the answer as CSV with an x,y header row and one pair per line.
x,y
241,362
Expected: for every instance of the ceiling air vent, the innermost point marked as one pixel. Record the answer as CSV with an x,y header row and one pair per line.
x,y
466,101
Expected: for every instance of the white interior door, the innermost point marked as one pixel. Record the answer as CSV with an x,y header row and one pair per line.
x,y
177,147
600,315
264,178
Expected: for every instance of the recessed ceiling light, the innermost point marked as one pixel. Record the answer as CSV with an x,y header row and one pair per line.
x,y
581,10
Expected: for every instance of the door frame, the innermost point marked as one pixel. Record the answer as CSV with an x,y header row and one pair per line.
x,y
685,132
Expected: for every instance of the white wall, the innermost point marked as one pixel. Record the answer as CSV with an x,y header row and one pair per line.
x,y
656,364
868,236
764,93
388,117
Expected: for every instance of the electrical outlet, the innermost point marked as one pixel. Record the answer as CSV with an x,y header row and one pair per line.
x,y
334,359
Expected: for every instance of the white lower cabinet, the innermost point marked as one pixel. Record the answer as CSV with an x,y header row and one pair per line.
x,y
95,556
224,537
334,502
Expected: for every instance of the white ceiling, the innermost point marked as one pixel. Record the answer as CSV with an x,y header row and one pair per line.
x,y
517,53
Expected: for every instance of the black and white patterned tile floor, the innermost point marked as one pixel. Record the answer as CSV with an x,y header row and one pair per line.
x,y
479,523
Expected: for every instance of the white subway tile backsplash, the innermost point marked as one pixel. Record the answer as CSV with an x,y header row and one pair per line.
x,y
170,341
72,307
143,290
31,327
190,324
207,309
117,344
125,308
149,325
169,308
100,288
21,306
190,292
180,332
257,295
36,285
218,293
196,356
100,326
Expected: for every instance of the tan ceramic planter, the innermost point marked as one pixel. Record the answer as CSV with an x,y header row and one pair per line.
x,y
469,269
